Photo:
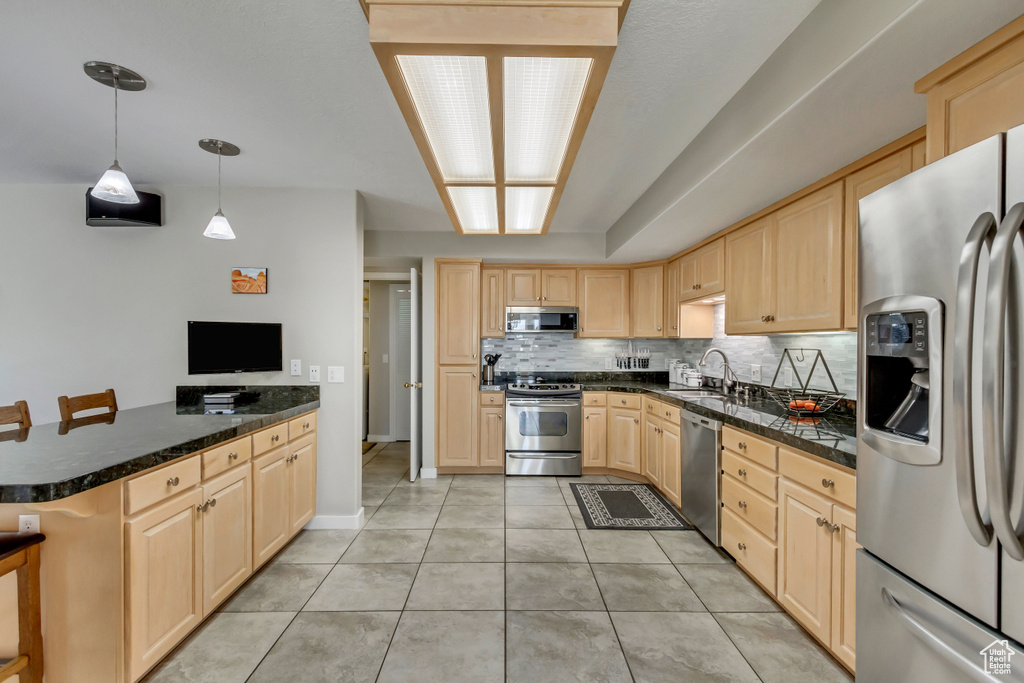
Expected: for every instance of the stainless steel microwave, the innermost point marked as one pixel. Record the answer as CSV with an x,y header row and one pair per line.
x,y
542,319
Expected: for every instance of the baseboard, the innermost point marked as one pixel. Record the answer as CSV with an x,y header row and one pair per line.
x,y
355,521
428,473
379,438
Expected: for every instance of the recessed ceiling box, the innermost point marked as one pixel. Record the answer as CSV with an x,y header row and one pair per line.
x,y
148,213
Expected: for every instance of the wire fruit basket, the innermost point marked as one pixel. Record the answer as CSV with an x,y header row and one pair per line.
x,y
804,401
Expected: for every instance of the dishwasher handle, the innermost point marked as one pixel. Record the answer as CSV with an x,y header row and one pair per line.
x,y
700,421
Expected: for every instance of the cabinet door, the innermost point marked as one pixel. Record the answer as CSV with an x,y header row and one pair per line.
x,y
492,436
270,504
917,153
671,455
711,268
301,484
805,558
624,439
558,287
595,437
604,303
860,185
164,581
844,585
458,312
651,448
688,277
808,252
672,299
522,287
647,308
458,390
492,302
227,535
750,277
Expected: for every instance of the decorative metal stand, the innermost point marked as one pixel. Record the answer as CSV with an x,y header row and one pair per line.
x,y
804,401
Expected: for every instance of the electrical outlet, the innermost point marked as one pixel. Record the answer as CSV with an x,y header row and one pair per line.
x,y
314,373
296,368
335,373
28,524
755,373
787,376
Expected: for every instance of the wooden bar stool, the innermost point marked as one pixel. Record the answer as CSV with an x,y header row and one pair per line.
x,y
16,414
20,552
76,404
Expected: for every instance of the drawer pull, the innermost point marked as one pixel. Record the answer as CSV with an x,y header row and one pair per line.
x,y
742,546
623,401
275,437
742,473
828,483
668,413
742,504
305,425
742,446
173,481
232,456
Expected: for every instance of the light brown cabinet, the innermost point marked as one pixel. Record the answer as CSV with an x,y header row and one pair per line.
x,y
458,312
624,439
859,185
749,277
671,461
805,558
703,272
558,287
661,449
492,302
492,435
844,585
595,436
604,302
647,304
458,389
227,534
522,287
651,449
270,504
672,272
301,483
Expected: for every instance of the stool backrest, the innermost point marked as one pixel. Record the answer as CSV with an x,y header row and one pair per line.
x,y
76,404
16,414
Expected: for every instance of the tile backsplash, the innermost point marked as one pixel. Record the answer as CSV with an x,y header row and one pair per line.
x,y
560,352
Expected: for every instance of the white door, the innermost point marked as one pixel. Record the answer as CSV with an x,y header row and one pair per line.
x,y
415,378
401,360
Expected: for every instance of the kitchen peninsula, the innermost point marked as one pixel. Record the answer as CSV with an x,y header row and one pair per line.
x,y
153,517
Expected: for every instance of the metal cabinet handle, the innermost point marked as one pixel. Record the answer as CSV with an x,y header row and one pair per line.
x,y
623,401
675,327
500,417
474,355
587,417
636,419
200,508
668,413
828,483
173,481
275,437
742,504
742,546
213,502
821,521
771,318
742,473
232,456
741,445
659,329
305,425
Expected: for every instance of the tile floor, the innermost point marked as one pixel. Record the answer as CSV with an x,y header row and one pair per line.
x,y
482,578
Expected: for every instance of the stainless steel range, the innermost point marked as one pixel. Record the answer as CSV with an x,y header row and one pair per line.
x,y
543,428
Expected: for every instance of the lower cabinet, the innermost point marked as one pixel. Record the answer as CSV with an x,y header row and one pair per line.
x,y
492,435
458,389
671,462
844,585
301,483
227,535
624,439
271,526
595,436
652,450
805,558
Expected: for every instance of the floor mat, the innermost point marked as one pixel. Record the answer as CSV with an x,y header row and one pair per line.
x,y
626,506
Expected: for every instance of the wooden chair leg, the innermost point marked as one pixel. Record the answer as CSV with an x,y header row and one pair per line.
x,y
29,622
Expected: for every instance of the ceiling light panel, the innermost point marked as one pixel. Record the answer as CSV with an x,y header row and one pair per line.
x,y
476,208
542,100
450,97
525,208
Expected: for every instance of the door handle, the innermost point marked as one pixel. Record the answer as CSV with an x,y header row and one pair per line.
x,y
1003,271
980,234
407,385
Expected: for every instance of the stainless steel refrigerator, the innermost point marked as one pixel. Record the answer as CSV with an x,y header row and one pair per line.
x,y
940,473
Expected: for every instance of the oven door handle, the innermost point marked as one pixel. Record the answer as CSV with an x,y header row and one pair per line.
x,y
544,456
542,404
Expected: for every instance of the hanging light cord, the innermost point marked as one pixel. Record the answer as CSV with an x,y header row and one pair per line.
x,y
115,116
218,176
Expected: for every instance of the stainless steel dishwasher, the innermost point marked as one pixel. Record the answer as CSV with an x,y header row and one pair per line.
x,y
701,463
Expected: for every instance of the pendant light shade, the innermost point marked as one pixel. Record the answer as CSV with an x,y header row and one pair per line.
x,y
114,185
218,227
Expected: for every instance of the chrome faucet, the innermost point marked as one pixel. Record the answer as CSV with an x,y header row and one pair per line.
x,y
727,384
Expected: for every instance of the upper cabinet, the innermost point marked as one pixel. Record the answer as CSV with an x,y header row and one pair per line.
x,y
672,270
492,302
558,287
647,303
784,272
604,302
522,287
702,272
458,311
977,94
859,185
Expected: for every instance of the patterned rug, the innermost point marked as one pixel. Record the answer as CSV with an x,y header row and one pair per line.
x,y
626,506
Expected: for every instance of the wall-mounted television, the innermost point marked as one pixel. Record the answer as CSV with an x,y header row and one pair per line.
x,y
216,347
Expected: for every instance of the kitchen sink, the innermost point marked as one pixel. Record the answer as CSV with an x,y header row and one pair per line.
x,y
696,393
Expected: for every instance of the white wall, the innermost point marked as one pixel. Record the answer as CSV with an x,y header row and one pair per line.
x,y
89,308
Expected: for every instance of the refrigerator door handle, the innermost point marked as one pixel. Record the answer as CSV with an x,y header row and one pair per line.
x,y
993,366
936,643
980,236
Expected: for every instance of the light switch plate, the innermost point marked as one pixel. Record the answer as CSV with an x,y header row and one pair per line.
x,y
296,368
755,373
314,373
335,374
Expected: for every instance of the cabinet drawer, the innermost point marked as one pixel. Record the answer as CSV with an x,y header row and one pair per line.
x,y
670,414
819,476
266,439
752,551
595,398
619,400
223,458
750,506
749,446
141,492
492,398
301,425
756,477
651,407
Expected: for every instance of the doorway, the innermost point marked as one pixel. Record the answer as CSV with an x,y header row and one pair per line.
x,y
401,359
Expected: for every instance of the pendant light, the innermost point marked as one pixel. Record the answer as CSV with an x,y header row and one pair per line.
x,y
114,185
219,228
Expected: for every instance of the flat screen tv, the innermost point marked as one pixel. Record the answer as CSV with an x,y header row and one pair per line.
x,y
233,347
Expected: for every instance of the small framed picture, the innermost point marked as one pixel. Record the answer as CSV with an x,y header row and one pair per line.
x,y
249,281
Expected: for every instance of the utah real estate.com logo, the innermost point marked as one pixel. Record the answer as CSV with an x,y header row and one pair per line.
x,y
997,658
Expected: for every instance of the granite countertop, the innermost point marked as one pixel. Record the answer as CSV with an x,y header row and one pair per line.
x,y
831,437
52,461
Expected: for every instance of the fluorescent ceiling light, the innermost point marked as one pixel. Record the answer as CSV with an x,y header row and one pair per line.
x,y
526,207
451,100
476,207
542,100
